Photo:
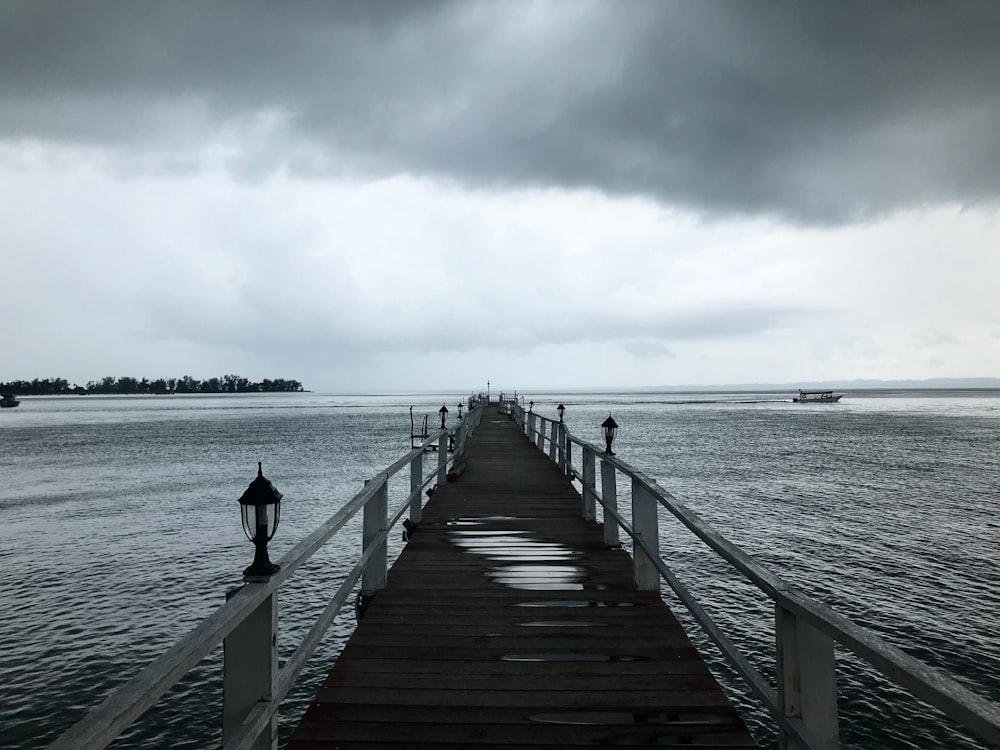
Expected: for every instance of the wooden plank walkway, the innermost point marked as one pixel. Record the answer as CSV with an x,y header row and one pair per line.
x,y
506,622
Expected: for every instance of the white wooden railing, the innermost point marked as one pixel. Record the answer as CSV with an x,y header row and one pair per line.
x,y
247,624
804,706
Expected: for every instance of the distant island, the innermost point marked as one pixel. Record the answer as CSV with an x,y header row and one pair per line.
x,y
143,386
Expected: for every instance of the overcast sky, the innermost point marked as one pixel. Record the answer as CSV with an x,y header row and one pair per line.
x,y
383,196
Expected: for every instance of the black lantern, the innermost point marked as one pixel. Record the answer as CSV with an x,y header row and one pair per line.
x,y
531,405
460,409
261,511
610,427
443,411
561,409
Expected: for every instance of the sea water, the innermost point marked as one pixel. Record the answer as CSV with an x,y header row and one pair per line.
x,y
120,531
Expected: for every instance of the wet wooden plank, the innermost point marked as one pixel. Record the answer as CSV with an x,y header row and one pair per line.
x,y
506,622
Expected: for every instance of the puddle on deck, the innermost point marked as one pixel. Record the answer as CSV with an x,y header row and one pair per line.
x,y
728,739
540,577
619,718
523,562
480,520
573,603
573,656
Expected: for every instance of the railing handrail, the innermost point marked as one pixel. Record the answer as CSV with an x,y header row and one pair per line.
x,y
976,713
128,702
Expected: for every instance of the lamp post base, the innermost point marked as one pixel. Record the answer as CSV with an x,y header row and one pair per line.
x,y
261,568
258,573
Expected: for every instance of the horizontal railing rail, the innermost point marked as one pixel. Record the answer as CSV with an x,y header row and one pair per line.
x,y
804,705
247,622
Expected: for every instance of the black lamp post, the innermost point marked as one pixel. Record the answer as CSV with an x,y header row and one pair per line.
x,y
531,406
261,511
443,411
561,409
610,427
460,409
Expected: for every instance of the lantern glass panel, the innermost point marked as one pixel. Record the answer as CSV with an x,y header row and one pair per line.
x,y
247,515
260,515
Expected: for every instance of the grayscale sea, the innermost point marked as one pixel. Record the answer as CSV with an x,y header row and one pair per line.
x,y
120,530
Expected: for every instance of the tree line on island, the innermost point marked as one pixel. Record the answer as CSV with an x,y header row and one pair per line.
x,y
160,386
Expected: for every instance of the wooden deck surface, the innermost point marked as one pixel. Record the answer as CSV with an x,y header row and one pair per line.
x,y
506,622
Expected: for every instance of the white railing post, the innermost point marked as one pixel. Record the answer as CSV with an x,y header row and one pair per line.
x,y
569,459
540,437
589,478
442,459
807,680
562,447
644,523
531,426
609,493
250,669
553,431
375,521
416,480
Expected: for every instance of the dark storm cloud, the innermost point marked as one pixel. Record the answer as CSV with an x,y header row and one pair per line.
x,y
811,112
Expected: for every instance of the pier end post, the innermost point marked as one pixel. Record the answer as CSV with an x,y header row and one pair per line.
x,y
442,459
609,494
587,494
553,441
375,521
644,523
465,432
416,480
807,680
250,669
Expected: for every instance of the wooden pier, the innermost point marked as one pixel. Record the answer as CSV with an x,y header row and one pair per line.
x,y
507,621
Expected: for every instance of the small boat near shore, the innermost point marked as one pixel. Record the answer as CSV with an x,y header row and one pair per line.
x,y
8,400
817,397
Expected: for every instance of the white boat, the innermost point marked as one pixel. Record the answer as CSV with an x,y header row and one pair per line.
x,y
817,397
8,400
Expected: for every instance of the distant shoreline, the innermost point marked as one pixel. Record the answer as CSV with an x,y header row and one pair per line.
x,y
151,393
130,386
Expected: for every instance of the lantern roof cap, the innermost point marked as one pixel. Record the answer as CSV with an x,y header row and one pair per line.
x,y
609,422
443,409
260,491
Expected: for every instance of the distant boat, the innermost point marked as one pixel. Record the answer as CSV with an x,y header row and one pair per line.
x,y
817,397
8,400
